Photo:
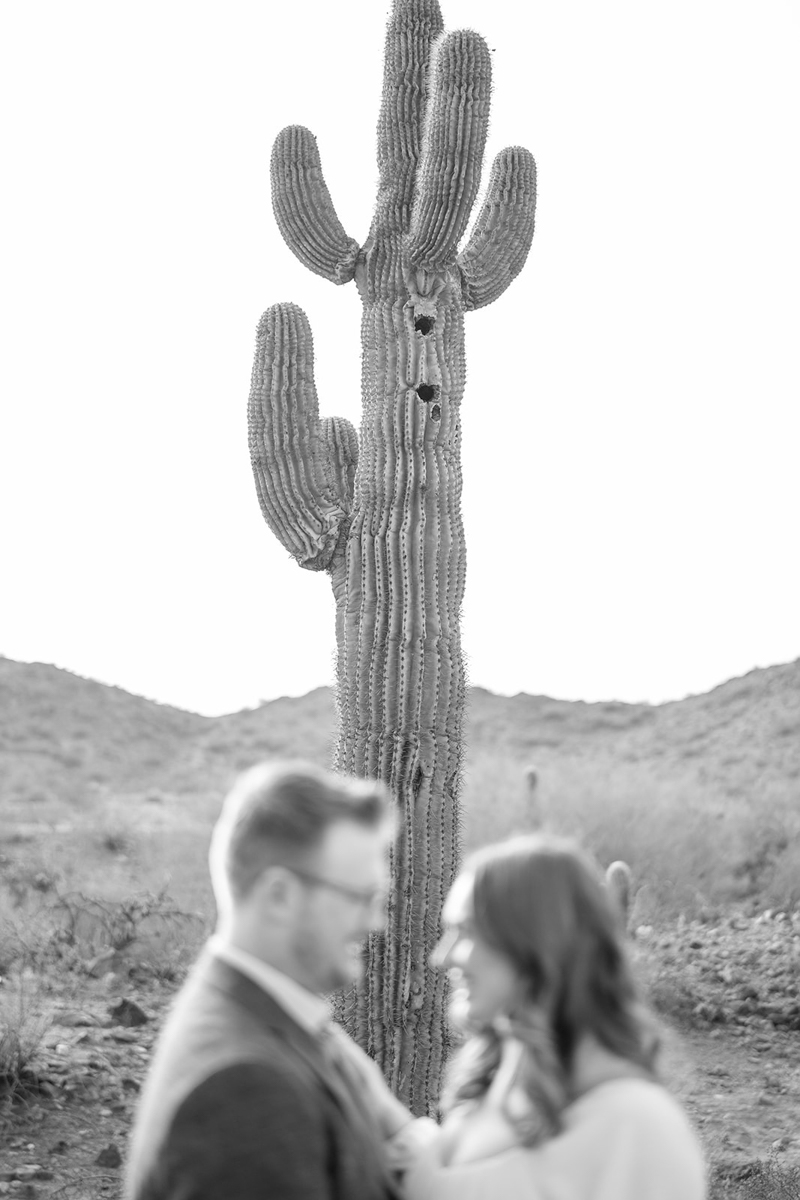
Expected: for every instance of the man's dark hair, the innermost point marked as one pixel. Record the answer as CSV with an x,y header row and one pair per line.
x,y
278,813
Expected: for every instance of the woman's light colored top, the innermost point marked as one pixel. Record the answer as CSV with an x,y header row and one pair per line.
x,y
625,1139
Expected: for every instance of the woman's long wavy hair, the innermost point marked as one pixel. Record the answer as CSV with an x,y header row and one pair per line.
x,y
540,901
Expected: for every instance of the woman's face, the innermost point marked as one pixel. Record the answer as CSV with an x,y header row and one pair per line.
x,y
486,984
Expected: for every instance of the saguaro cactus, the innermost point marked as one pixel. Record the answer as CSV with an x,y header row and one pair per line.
x,y
381,512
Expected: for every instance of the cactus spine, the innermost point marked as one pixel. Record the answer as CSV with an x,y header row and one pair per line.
x,y
381,512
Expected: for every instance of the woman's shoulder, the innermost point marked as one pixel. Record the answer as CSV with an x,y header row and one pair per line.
x,y
637,1106
507,1173
633,1129
636,1098
624,1139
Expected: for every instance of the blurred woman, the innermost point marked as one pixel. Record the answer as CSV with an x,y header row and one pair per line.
x,y
554,1095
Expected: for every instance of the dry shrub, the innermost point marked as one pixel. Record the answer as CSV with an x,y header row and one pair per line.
x,y
147,928
22,1029
69,932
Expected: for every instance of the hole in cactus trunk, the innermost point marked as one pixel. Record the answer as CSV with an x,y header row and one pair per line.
x,y
423,325
436,412
426,393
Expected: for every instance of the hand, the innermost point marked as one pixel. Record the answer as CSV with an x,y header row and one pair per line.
x,y
403,1150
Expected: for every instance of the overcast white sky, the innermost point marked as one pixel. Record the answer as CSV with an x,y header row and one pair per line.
x,y
632,417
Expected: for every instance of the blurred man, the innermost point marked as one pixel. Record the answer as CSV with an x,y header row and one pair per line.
x,y
249,1095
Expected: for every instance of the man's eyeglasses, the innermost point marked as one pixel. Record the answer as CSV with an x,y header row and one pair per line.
x,y
368,897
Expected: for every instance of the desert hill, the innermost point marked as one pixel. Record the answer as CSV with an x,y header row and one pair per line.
x,y
710,778
742,733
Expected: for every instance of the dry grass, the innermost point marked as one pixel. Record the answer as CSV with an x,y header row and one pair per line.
x,y
115,794
692,850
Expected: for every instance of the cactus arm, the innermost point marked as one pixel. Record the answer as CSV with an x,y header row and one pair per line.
x,y
413,27
499,243
455,138
304,210
303,467
340,462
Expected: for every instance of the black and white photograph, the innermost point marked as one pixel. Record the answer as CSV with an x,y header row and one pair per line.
x,y
399,638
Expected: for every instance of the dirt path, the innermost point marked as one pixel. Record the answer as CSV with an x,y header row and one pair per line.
x,y
741,1089
740,1086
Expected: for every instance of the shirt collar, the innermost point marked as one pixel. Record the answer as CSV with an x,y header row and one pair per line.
x,y
305,1007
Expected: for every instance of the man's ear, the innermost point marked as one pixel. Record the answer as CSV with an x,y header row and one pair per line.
x,y
277,891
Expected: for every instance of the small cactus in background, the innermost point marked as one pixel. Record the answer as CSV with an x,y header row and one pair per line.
x,y
618,882
535,814
381,511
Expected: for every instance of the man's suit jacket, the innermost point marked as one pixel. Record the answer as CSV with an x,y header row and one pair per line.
x,y
241,1104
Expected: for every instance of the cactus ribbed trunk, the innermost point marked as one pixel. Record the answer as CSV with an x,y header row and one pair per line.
x,y
401,672
381,512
